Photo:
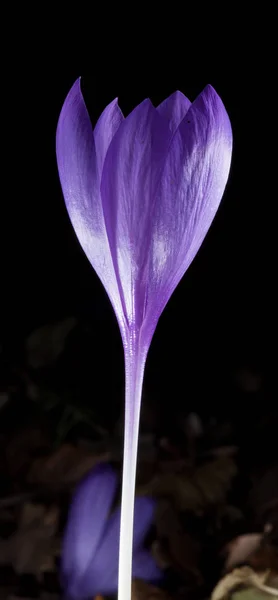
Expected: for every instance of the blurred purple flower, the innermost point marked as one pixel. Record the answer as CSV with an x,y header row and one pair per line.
x,y
90,551
141,193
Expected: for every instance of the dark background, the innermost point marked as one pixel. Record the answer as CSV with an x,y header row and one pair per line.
x,y
222,316
214,351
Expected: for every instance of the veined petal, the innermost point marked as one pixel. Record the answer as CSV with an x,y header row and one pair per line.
x,y
192,184
105,129
174,109
129,180
86,523
79,176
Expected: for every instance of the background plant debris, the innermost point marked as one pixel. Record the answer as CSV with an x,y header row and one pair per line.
x,y
215,479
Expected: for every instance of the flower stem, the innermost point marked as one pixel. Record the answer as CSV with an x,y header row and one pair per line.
x,y
134,373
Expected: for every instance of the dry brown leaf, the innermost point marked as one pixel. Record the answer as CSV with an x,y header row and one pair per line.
x,y
144,591
241,548
242,577
264,495
250,594
22,447
67,464
254,549
265,557
196,490
181,551
32,549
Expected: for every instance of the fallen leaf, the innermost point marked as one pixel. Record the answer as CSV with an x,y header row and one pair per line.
x,y
22,447
264,495
182,552
243,577
32,549
265,557
194,490
241,548
144,591
250,594
66,465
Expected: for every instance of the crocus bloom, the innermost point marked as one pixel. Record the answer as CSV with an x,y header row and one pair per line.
x,y
141,193
91,542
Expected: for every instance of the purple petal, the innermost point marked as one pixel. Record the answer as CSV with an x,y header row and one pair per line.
x,y
79,176
101,576
144,510
174,109
143,517
192,185
154,233
105,129
130,177
144,567
86,523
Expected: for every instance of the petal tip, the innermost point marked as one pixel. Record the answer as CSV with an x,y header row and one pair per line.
x,y
210,93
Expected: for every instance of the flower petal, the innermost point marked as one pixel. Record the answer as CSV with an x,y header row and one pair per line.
x,y
105,129
174,109
79,176
193,181
105,580
102,573
144,510
86,523
130,176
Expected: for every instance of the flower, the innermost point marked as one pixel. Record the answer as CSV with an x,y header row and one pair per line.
x,y
90,547
141,193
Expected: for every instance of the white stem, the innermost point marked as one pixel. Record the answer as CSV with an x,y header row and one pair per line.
x,y
134,373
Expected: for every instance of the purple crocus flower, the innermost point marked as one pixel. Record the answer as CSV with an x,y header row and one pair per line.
x,y
90,551
141,193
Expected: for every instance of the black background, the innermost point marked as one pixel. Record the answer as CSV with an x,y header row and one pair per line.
x,y
222,315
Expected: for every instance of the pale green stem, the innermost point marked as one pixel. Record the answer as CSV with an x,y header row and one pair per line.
x,y
134,373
